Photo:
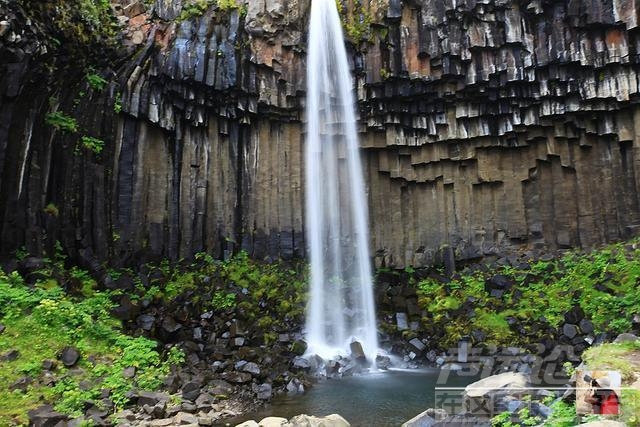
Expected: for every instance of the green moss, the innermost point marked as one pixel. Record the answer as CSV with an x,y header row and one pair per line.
x,y
356,21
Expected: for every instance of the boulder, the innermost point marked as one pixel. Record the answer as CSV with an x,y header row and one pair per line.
x,y
251,368
273,422
427,418
417,344
333,420
357,352
45,416
264,391
145,322
570,331
191,390
69,356
169,325
151,398
500,383
250,423
182,418
401,321
626,337
10,355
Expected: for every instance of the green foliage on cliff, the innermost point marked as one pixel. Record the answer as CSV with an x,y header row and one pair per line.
x,y
76,26
61,122
535,297
195,8
42,319
356,21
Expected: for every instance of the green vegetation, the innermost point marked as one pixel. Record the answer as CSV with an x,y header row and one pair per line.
x,y
356,21
95,81
602,283
195,8
117,103
61,122
93,144
42,319
76,22
51,209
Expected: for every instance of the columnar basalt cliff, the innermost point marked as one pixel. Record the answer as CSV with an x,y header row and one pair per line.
x,y
486,126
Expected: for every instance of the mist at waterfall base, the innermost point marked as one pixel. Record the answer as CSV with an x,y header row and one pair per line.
x,y
341,308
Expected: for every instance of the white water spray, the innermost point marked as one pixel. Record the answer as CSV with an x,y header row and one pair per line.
x,y
341,308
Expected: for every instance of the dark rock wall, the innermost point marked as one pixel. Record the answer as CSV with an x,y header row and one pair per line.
x,y
487,126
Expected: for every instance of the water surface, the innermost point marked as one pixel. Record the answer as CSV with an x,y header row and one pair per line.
x,y
373,400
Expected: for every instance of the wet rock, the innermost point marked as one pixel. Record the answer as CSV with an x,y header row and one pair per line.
x,y
383,362
295,386
273,422
402,321
299,347
69,356
333,420
418,345
357,352
427,418
301,363
264,391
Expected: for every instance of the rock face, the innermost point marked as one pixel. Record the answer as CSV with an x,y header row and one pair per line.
x,y
486,127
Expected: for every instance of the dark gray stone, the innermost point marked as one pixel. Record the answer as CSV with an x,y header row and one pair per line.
x,y
251,368
626,337
570,331
69,356
146,321
45,416
191,390
170,325
10,355
264,391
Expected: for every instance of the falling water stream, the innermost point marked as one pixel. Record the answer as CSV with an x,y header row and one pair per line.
x,y
341,308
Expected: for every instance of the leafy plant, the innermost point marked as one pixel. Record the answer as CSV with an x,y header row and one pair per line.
x,y
61,122
96,82
93,144
51,209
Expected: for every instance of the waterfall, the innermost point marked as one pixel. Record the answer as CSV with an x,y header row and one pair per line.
x,y
341,307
